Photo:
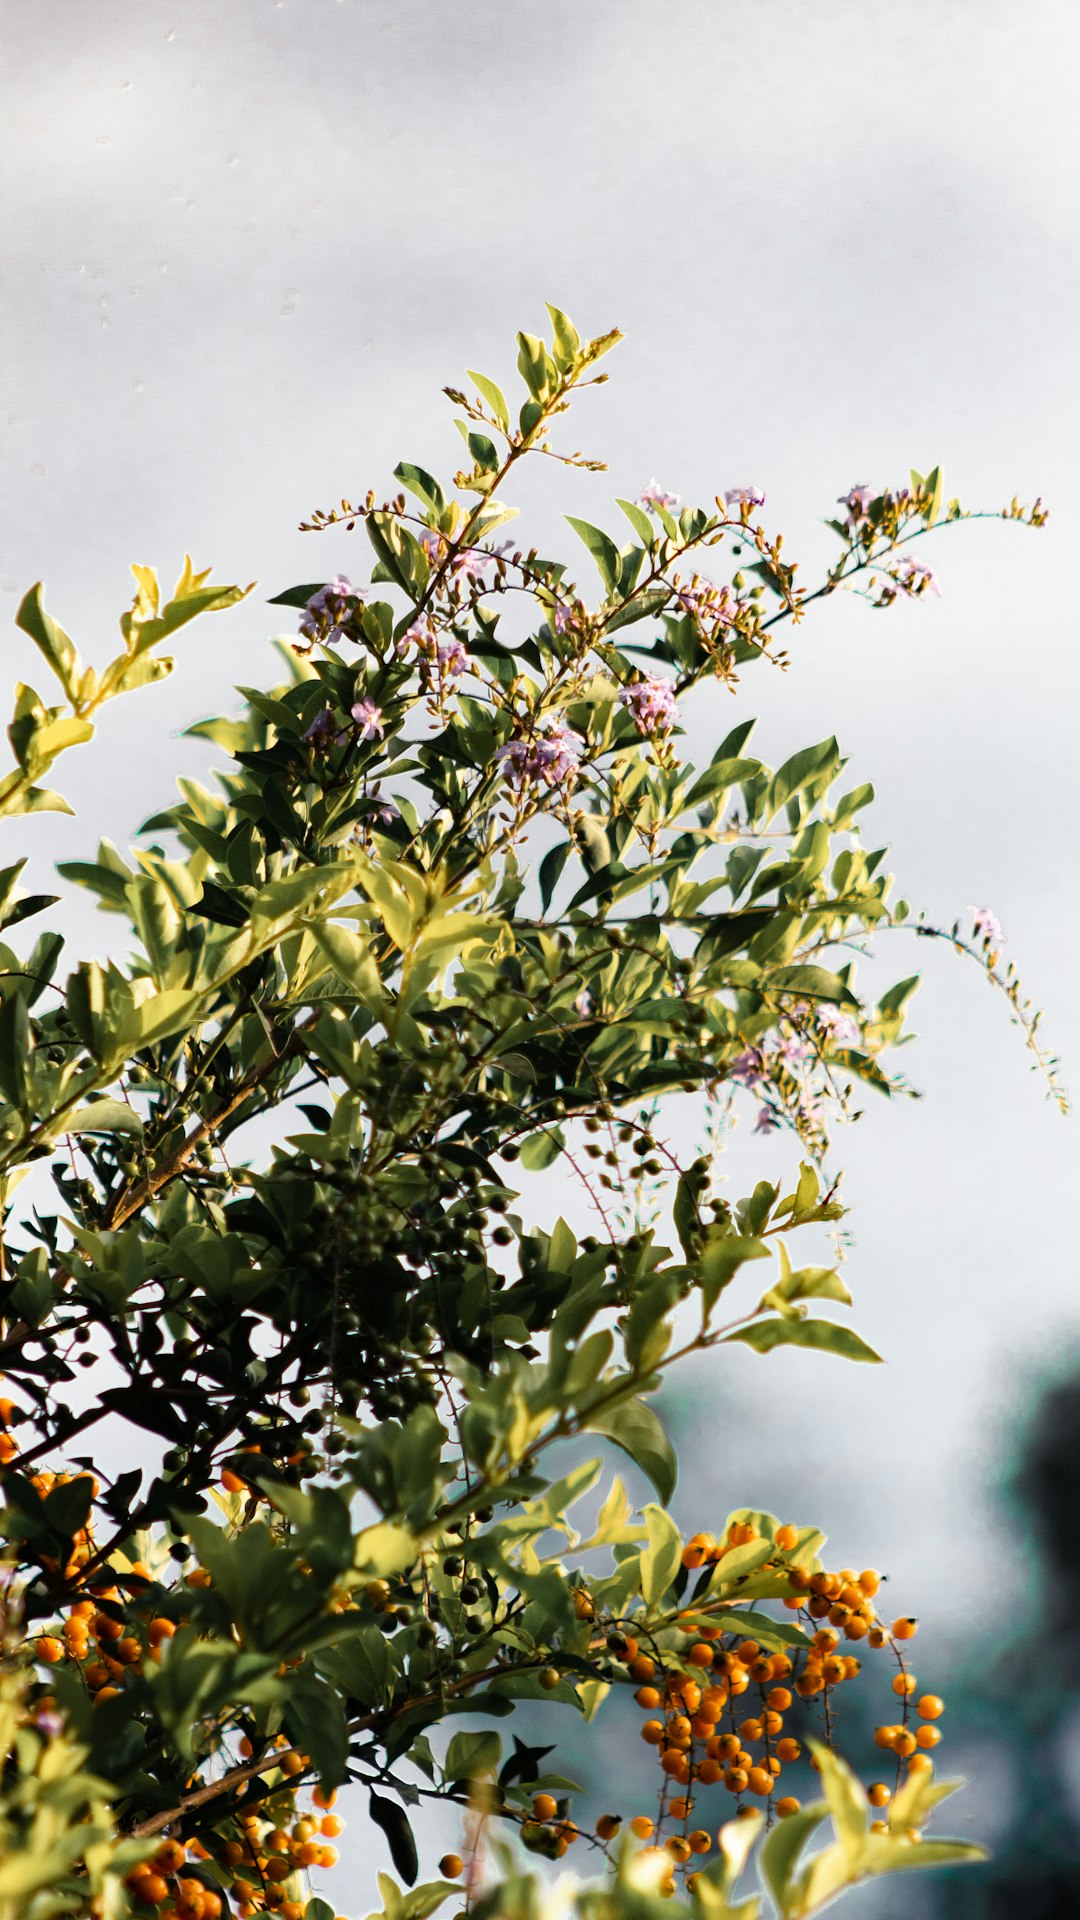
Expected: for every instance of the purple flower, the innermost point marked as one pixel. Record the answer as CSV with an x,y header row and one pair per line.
x,y
986,925
453,662
744,497
913,578
469,564
562,617
654,495
709,602
794,1050
841,1029
430,539
368,718
748,1067
48,1723
652,702
583,1004
767,1120
857,501
323,729
327,607
553,757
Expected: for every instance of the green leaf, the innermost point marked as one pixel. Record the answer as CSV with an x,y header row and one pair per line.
x,y
494,396
779,1857
104,1116
660,1560
603,550
639,520
567,340
394,1822
540,1150
637,1430
420,483
471,1754
50,639
822,1335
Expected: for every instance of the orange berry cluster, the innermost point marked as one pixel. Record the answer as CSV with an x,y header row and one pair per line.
x,y
707,1734
261,1857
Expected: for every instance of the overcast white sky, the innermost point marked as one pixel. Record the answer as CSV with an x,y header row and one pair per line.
x,y
247,243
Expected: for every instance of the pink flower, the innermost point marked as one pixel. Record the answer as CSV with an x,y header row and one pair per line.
x,y
583,1004
430,539
748,1067
368,718
469,564
552,757
794,1051
453,661
986,925
767,1120
744,497
654,496
841,1029
857,501
913,578
709,602
323,730
327,607
652,702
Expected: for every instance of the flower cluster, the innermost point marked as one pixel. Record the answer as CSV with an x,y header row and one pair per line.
x,y
857,501
552,758
912,577
745,498
654,495
327,609
652,703
707,601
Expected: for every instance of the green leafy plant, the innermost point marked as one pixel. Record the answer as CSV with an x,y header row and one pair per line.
x,y
458,910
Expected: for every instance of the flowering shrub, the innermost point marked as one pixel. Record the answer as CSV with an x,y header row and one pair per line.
x,y
459,909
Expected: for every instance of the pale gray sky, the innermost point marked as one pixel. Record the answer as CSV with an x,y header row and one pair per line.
x,y
247,243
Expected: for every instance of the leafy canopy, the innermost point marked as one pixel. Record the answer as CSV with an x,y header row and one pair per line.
x,y
459,910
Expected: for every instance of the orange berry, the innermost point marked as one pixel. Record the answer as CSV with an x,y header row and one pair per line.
x,y
106,1693
153,1889
930,1707
323,1796
451,1866
678,1848
779,1699
642,1826
741,1532
750,1730
869,1581
759,1780
700,1654
291,1764
786,1538
641,1667
709,1771
788,1750
608,1826
904,1684
884,1736
648,1698
928,1736
332,1825
50,1649
544,1806
905,1628
735,1779
787,1806
920,1763
879,1794
652,1732
700,1841
328,1856
904,1743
